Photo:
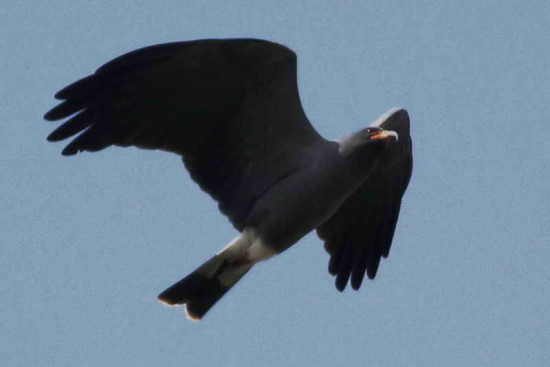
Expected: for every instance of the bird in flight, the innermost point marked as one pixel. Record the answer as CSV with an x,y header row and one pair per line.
x,y
230,108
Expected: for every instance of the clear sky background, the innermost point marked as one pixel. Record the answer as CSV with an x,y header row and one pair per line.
x,y
89,241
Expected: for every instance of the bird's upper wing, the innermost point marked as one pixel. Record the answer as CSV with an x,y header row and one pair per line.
x,y
230,108
361,231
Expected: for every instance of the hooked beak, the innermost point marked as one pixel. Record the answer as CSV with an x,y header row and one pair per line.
x,y
383,135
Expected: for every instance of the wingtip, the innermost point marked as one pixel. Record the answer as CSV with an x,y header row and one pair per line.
x,y
397,111
55,136
340,283
357,280
61,95
393,114
48,116
51,138
68,151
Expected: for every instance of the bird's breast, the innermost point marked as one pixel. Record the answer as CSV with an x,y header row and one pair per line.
x,y
301,202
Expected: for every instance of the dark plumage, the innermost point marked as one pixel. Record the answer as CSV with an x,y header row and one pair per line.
x,y
231,109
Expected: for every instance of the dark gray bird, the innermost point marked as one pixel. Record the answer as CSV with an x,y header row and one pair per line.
x,y
231,109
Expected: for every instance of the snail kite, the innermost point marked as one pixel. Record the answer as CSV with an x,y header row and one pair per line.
x,y
230,108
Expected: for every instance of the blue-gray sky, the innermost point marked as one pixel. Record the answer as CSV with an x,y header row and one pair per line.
x,y
89,241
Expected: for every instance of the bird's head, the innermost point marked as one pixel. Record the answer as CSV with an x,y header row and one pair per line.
x,y
380,136
367,141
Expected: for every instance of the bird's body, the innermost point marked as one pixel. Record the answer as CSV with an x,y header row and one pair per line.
x,y
231,109
325,175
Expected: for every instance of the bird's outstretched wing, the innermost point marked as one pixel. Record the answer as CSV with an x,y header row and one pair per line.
x,y
230,108
361,231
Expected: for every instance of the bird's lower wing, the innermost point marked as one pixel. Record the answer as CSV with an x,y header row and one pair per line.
x,y
360,233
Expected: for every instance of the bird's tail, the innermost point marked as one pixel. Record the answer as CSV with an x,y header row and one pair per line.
x,y
201,289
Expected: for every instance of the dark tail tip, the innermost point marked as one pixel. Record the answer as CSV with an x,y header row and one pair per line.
x,y
198,292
